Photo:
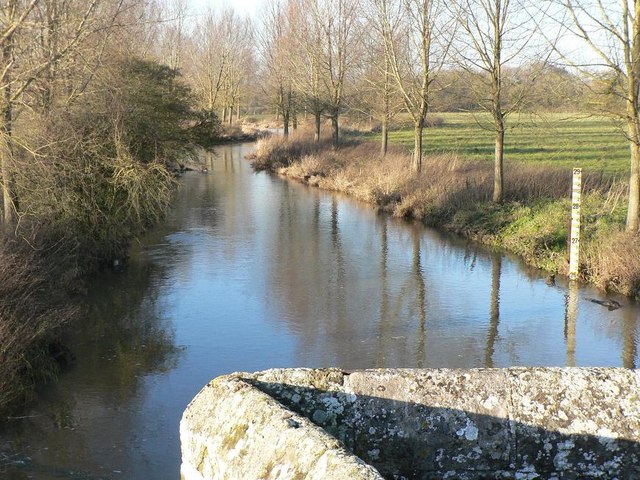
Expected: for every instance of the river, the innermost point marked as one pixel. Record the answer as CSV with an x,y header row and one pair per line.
x,y
249,272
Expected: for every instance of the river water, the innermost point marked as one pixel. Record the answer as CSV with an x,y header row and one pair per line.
x,y
250,272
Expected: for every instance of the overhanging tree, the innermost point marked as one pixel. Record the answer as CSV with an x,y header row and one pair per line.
x,y
611,30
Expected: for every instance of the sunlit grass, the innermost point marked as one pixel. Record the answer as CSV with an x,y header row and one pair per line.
x,y
593,143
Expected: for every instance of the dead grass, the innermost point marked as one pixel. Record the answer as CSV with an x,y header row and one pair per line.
x,y
446,184
455,193
613,263
276,152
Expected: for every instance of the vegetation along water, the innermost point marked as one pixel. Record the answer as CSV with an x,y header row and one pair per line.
x,y
464,115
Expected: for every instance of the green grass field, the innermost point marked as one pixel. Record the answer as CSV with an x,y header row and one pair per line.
x,y
595,144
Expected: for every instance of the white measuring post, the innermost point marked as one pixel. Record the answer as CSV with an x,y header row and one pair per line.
x,y
574,249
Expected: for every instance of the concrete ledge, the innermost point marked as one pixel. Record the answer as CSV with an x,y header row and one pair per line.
x,y
521,423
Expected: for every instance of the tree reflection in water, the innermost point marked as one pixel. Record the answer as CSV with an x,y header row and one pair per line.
x,y
494,314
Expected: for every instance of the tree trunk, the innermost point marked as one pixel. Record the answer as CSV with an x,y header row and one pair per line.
x,y
285,119
498,167
294,115
633,123
633,212
238,111
336,130
230,114
9,201
8,212
318,125
494,311
385,136
385,116
417,151
9,198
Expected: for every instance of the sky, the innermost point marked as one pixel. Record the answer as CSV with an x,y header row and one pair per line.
x,y
253,8
244,7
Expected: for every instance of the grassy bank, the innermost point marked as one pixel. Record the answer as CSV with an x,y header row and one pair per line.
x,y
455,194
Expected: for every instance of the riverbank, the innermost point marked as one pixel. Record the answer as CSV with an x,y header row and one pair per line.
x,y
242,133
45,264
455,194
229,134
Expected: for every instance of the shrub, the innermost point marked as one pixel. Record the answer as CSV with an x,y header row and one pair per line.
x,y
30,313
611,262
93,177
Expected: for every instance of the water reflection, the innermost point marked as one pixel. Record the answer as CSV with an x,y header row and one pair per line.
x,y
252,272
364,312
570,318
421,301
630,338
384,319
494,311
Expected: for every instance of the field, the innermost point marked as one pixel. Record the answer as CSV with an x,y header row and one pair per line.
x,y
593,143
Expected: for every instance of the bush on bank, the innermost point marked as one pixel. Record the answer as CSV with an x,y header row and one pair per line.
x,y
455,194
89,177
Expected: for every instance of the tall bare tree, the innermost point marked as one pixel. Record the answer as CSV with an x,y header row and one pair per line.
x,y
417,36
173,33
222,46
276,51
306,61
212,57
36,36
378,92
337,22
14,15
495,51
240,67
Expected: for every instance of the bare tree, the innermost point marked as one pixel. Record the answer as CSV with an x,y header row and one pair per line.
x,y
378,89
275,48
336,22
494,53
212,57
14,15
305,57
240,64
222,44
36,36
173,33
417,35
612,32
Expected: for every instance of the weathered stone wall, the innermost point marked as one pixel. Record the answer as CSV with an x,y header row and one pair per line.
x,y
234,431
486,423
